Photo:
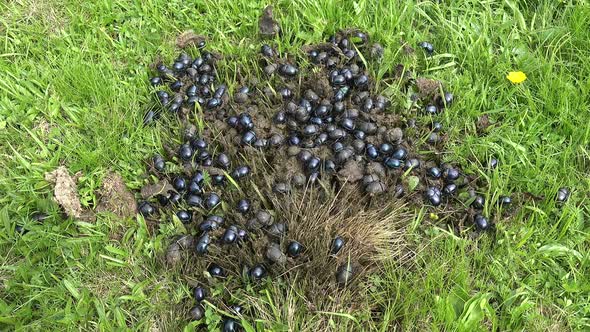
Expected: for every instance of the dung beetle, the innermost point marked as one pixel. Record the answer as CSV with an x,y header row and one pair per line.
x,y
200,293
505,200
218,179
294,249
199,144
257,272
433,195
392,163
216,271
412,164
146,209
434,172
194,200
249,137
481,222
223,161
400,153
427,47
451,174
243,206
344,274
230,235
179,184
563,194
431,109
386,148
478,203
450,189
185,152
159,163
197,312
372,152
267,51
155,81
240,172
184,216
288,70
230,325
211,201
337,245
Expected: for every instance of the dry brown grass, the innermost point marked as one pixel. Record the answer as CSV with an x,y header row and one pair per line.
x,y
47,13
374,234
302,294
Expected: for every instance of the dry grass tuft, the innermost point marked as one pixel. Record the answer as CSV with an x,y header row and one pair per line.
x,y
373,234
48,13
302,293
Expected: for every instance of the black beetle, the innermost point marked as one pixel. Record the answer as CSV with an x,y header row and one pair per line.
x,y
200,293
146,209
294,249
481,222
434,172
230,235
184,216
257,272
240,172
288,70
427,47
243,206
211,201
216,271
337,245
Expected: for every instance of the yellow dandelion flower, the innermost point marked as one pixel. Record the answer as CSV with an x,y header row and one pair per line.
x,y
433,216
516,77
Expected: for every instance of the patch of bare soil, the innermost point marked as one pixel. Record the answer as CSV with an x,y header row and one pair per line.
x,y
189,38
427,87
115,197
151,190
267,25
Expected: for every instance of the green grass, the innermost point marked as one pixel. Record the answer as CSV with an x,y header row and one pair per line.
x,y
73,91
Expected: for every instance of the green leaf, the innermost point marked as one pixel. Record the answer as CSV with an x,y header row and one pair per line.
x,y
71,288
560,250
413,182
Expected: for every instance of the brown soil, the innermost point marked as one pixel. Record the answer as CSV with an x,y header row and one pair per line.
x,y
267,25
189,38
151,190
115,197
427,87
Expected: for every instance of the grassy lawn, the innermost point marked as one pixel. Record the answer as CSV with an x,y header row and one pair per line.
x,y
74,88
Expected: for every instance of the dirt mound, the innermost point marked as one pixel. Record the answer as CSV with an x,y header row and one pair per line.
x,y
302,177
115,197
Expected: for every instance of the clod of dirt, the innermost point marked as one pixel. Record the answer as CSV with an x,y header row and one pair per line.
x,y
427,87
151,190
115,197
173,254
394,135
189,38
351,172
275,255
483,122
65,194
267,25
